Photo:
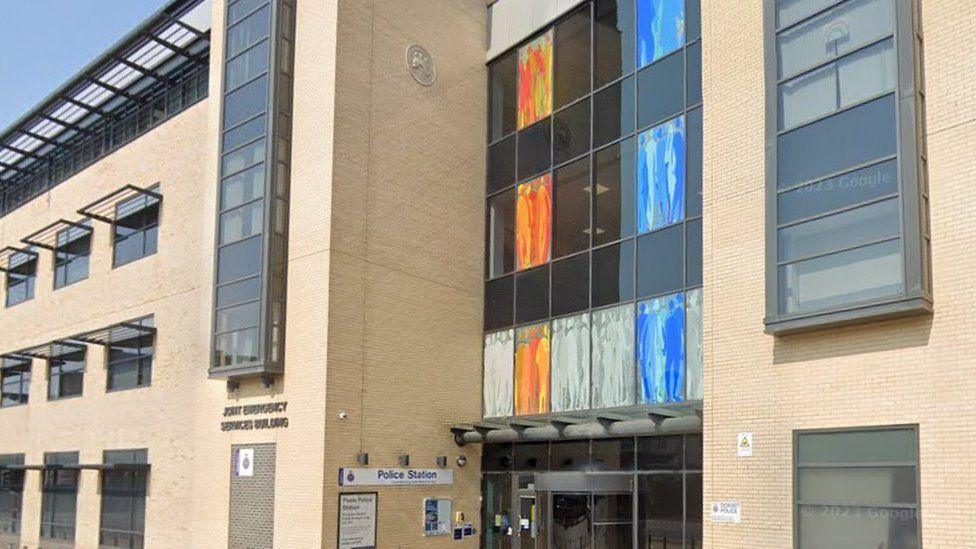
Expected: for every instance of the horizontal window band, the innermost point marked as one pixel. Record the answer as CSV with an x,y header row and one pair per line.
x,y
243,279
241,304
244,123
265,39
806,70
245,84
821,118
241,205
844,209
246,16
845,171
227,153
813,15
838,251
855,464
855,505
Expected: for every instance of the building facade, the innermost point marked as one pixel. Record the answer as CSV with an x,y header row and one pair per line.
x,y
510,274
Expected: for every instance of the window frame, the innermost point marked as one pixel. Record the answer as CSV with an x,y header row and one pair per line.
x,y
141,232
795,466
58,493
132,493
63,259
30,280
58,358
138,358
916,294
23,371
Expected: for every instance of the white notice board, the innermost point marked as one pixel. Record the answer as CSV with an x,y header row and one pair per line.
x,y
357,520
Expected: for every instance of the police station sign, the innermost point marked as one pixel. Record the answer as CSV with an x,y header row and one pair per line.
x,y
394,477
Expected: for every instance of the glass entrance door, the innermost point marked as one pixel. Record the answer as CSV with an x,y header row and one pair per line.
x,y
592,520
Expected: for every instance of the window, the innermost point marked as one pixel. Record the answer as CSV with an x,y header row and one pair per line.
x,y
136,229
71,253
594,210
21,277
11,495
857,488
66,371
15,381
123,515
847,185
130,356
59,496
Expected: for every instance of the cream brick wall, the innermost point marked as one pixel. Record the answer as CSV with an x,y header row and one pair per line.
x,y
915,371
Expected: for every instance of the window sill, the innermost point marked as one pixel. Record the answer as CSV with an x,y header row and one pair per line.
x,y
859,314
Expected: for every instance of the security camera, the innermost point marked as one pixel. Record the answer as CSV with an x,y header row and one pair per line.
x,y
343,415
461,461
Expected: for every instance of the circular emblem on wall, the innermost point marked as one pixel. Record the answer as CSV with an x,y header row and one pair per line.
x,y
421,65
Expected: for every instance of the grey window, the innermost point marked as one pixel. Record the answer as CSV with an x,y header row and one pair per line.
x,y
59,496
123,513
15,380
857,488
71,254
136,229
21,278
11,495
130,356
846,185
66,371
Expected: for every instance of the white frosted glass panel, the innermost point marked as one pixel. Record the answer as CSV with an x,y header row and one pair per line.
x,y
807,97
867,73
499,365
571,363
693,339
614,375
843,29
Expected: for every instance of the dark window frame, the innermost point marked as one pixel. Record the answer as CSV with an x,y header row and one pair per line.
x,y
12,492
65,255
28,279
142,359
916,295
58,486
137,480
55,366
22,371
145,227
797,465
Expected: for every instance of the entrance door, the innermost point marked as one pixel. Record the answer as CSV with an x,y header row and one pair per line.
x,y
592,520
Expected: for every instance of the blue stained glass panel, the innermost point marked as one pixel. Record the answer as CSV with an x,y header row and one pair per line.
x,y
661,175
661,348
660,29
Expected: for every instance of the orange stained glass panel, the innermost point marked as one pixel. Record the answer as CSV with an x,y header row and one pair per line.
x,y
533,222
535,80
532,370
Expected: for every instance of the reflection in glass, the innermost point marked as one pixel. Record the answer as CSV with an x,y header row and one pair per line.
x,y
613,178
571,132
613,112
571,284
613,273
660,510
613,40
660,261
501,233
532,295
501,97
572,57
571,222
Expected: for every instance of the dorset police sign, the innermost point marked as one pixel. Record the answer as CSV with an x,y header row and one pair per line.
x,y
394,477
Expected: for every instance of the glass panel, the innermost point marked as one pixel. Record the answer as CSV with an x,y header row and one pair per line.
x,y
613,112
501,233
789,12
836,527
247,65
693,270
885,445
572,57
846,140
612,507
661,349
846,277
245,157
570,364
694,452
842,30
245,290
694,492
692,20
844,190
842,230
533,456
613,357
239,317
533,230
660,261
242,222
250,31
246,132
661,175
499,301
837,86
236,348
501,164
864,485
532,295
239,260
499,372
660,511
693,339
613,536
571,222
613,40
615,454
245,102
496,457
535,80
613,274
571,132
570,520
243,187
614,177
660,29
571,284
570,455
501,97
534,149
657,95
694,83
532,370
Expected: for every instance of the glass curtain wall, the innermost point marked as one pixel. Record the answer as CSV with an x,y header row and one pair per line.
x,y
593,228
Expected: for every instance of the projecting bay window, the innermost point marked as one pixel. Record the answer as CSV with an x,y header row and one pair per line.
x,y
15,374
847,198
59,496
135,229
71,254
251,255
21,277
66,371
123,514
